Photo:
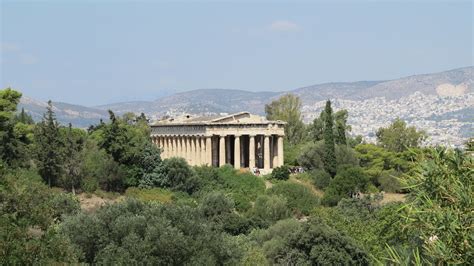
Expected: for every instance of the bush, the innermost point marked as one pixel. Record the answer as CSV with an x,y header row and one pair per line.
x,y
89,185
270,209
174,173
389,183
219,210
311,156
28,212
64,204
100,170
348,180
289,242
301,199
281,173
133,232
216,204
242,187
321,178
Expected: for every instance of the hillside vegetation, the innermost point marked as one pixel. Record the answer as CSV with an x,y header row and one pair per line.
x,y
105,196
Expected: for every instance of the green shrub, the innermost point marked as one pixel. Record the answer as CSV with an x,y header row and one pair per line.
x,y
89,185
242,202
290,242
321,178
216,204
281,173
270,209
64,204
348,180
174,173
389,182
301,199
244,188
133,232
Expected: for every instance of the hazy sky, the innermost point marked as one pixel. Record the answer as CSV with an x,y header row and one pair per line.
x,y
98,52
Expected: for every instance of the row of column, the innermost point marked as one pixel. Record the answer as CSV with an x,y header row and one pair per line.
x,y
267,148
196,150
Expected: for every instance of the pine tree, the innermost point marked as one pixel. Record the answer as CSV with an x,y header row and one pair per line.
x,y
13,150
73,143
329,158
24,117
48,147
340,119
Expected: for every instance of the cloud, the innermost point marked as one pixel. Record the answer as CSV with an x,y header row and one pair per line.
x,y
284,25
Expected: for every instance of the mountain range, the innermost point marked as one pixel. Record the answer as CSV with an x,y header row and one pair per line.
x,y
456,82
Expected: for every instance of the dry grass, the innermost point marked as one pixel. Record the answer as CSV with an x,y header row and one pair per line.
x,y
307,184
92,202
393,197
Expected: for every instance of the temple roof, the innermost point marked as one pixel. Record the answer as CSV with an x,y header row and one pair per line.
x,y
237,118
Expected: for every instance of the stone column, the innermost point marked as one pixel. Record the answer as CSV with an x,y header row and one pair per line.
x,y
197,151
203,160
275,151
266,153
208,151
175,144
280,151
221,150
251,152
172,148
190,150
237,152
178,147
185,147
165,147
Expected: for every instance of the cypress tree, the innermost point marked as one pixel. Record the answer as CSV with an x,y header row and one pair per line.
x,y
48,147
329,158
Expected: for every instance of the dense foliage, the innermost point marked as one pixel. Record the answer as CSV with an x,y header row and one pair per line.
x,y
166,212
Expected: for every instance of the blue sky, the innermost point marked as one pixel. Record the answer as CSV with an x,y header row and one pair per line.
x,y
98,52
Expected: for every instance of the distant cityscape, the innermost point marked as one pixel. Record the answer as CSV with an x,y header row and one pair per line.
x,y
448,121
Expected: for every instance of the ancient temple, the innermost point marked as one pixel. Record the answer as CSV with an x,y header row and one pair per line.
x,y
242,140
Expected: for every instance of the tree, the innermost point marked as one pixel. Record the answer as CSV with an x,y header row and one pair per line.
x,y
439,207
28,213
133,232
301,200
12,142
270,209
24,117
288,108
349,180
174,173
398,137
312,156
329,157
48,145
281,173
289,242
341,127
127,140
73,140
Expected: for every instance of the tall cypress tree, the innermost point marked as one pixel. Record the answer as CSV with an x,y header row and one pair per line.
x,y
329,158
48,147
